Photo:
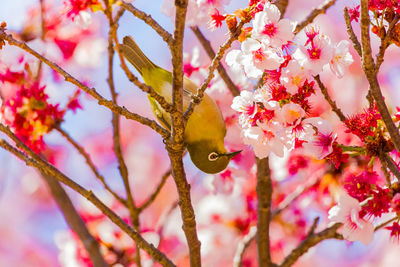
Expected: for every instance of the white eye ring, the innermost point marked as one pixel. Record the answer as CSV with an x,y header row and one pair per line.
x,y
213,156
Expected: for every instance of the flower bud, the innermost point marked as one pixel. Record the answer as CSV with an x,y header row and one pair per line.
x,y
231,22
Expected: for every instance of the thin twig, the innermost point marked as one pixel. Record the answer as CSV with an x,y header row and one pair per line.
x,y
385,223
370,72
123,169
385,42
264,196
167,37
32,159
332,103
42,36
384,168
90,163
211,54
313,227
313,14
299,191
242,246
156,192
196,99
310,241
392,166
350,32
91,91
144,87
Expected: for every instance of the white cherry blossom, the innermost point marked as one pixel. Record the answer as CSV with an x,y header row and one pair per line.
x,y
256,58
294,76
354,228
270,29
341,58
316,57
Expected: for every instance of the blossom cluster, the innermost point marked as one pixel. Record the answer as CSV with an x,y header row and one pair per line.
x,y
365,199
384,12
28,112
276,116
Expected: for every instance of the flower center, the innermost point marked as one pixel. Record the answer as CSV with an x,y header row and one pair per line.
x,y
258,56
314,53
270,29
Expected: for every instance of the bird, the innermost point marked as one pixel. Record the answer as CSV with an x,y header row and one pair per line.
x,y
205,129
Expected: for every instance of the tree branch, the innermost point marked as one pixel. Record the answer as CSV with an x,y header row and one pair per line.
x,y
370,72
385,43
167,37
144,87
332,103
311,240
123,170
385,223
384,168
313,14
392,166
90,163
211,54
32,159
74,221
242,246
282,5
350,32
175,145
196,99
264,195
156,192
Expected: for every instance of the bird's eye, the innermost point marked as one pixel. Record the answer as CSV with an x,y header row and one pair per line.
x,y
213,156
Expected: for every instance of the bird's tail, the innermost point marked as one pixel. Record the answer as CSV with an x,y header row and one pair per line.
x,y
135,56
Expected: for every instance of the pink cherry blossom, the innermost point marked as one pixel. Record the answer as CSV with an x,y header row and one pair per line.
x,y
341,58
317,56
244,103
319,136
268,137
256,57
290,114
294,76
268,28
355,228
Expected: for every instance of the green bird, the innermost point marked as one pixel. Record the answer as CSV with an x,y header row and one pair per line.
x,y
205,129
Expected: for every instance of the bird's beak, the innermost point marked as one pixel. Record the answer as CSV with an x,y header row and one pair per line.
x,y
232,154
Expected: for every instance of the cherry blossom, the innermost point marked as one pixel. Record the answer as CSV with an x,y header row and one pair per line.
x,y
317,56
266,138
290,114
270,29
319,137
354,228
341,58
294,76
255,57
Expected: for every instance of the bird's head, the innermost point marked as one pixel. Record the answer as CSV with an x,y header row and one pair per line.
x,y
210,157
